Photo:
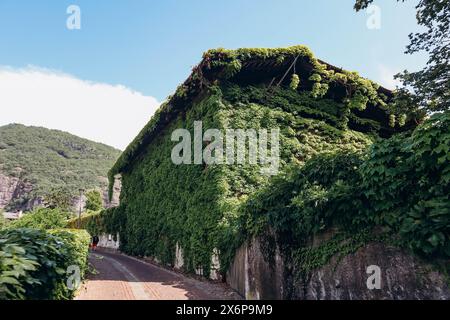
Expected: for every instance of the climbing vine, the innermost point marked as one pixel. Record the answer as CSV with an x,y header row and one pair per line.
x,y
329,176
318,79
399,185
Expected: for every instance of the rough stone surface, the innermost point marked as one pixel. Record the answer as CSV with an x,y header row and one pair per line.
x,y
403,277
115,199
8,187
258,273
13,188
255,274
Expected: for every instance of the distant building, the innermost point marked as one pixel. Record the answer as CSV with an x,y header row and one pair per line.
x,y
13,215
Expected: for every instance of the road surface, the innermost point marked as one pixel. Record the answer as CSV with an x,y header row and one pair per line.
x,y
119,277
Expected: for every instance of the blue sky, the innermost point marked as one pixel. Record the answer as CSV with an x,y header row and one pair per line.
x,y
150,46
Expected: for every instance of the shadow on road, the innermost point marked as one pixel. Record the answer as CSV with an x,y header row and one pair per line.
x,y
124,277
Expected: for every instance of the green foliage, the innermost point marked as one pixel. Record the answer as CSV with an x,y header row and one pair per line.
x,y
400,184
42,218
392,120
196,206
108,221
33,262
323,163
402,120
223,65
75,248
319,90
307,259
59,198
50,160
407,181
307,200
167,204
94,200
295,82
358,102
302,105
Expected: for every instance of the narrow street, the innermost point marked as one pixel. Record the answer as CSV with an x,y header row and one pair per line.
x,y
119,277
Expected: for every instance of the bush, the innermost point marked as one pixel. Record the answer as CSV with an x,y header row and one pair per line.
x,y
42,218
107,221
90,221
33,263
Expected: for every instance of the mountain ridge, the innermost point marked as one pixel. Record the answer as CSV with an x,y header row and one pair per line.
x,y
35,160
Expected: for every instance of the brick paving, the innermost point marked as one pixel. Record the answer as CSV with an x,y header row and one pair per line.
x,y
119,277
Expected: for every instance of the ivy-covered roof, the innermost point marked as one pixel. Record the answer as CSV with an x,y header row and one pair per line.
x,y
294,67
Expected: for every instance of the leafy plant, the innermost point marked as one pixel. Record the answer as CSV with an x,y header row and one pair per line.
x,y
42,218
94,200
324,139
295,82
33,262
59,198
399,186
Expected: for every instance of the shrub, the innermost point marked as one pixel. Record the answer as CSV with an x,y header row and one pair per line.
x,y
42,218
33,263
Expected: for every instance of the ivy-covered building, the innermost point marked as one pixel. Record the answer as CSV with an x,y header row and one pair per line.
x,y
184,215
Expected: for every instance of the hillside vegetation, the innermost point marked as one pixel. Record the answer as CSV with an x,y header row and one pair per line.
x,y
49,159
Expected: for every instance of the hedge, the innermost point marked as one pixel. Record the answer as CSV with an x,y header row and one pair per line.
x,y
34,263
97,223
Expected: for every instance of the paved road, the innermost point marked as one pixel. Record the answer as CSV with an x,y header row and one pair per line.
x,y
119,277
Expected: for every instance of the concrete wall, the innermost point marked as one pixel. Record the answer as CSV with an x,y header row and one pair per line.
x,y
255,274
259,272
107,241
214,273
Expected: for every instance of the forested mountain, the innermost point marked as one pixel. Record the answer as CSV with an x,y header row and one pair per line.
x,y
34,161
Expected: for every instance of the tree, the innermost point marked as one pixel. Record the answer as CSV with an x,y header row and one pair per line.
x,y
59,198
431,85
94,201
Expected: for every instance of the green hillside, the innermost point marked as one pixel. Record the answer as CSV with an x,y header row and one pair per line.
x,y
49,159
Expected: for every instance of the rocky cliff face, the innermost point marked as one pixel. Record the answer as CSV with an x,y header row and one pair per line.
x,y
13,190
14,194
8,188
35,160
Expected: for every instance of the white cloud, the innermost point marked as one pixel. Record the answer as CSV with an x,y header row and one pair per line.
x,y
100,112
386,76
